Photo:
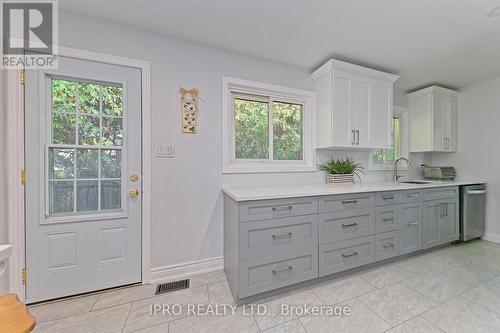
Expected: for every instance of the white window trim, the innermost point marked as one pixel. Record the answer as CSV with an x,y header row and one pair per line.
x,y
229,163
403,114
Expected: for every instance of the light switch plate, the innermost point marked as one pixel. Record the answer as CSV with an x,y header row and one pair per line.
x,y
165,151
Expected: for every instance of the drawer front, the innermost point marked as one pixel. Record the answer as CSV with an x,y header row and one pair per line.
x,y
387,245
266,273
268,237
271,209
335,203
410,196
346,225
340,256
441,193
386,198
387,218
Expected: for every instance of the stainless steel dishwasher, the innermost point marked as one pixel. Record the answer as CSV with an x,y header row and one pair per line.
x,y
472,211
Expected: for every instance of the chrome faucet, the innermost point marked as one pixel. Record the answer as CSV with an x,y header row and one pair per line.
x,y
396,175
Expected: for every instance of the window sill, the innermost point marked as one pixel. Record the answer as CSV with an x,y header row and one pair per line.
x,y
266,168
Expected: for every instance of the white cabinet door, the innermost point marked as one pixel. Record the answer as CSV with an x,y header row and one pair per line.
x,y
445,123
381,114
361,111
342,134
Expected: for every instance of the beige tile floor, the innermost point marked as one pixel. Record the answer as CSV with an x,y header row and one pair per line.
x,y
451,289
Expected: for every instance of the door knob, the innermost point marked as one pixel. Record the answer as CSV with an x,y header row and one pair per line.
x,y
134,177
134,193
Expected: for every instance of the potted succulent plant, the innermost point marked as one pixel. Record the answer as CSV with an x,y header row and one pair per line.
x,y
341,171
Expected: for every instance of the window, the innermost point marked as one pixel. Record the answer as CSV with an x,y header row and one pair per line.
x,y
85,149
266,129
383,159
390,155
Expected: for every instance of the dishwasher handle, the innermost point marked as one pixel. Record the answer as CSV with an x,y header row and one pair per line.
x,y
476,192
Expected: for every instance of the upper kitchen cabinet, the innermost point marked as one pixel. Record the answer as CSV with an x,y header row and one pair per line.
x,y
433,120
353,106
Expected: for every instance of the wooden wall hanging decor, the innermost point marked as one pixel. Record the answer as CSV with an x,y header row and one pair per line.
x,y
189,110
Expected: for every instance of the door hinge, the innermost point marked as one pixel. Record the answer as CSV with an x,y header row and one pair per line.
x,y
23,177
23,276
22,77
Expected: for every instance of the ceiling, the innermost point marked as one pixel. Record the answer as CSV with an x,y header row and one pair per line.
x,y
449,42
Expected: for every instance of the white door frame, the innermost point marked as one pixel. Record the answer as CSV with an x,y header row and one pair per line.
x,y
15,162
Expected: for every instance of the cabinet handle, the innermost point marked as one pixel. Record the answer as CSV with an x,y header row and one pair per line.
x,y
346,255
282,209
349,225
349,202
388,219
353,141
412,223
388,197
283,270
287,235
386,246
413,195
357,140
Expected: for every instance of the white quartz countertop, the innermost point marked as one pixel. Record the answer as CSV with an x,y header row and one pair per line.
x,y
247,193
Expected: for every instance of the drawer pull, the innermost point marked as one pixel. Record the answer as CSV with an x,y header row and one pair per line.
x,y
282,271
346,255
388,197
412,223
413,195
287,235
282,209
385,219
386,246
347,225
349,202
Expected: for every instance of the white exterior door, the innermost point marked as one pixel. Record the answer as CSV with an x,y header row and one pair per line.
x,y
83,189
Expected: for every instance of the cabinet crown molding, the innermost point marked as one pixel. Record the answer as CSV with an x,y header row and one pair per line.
x,y
431,90
333,64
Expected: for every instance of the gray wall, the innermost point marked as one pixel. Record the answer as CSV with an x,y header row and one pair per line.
x,y
478,155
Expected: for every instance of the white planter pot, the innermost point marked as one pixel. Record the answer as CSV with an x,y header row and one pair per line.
x,y
340,178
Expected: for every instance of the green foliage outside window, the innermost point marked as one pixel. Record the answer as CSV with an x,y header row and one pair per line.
x,y
251,130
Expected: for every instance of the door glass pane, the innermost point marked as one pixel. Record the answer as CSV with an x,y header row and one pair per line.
x,y
112,100
89,98
111,194
112,131
287,131
251,129
86,195
111,163
61,197
63,96
63,128
85,114
61,163
88,130
86,163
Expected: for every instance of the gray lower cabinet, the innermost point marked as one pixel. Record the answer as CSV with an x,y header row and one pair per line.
x,y
270,244
387,245
340,256
410,227
271,272
440,222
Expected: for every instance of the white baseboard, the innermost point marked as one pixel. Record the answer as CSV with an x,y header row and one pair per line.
x,y
186,269
489,236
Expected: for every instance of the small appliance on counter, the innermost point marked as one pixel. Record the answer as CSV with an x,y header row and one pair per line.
x,y
440,173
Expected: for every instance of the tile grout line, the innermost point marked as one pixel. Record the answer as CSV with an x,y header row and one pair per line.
x,y
128,316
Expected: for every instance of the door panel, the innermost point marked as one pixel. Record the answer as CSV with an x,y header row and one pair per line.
x,y
83,141
410,227
381,114
361,111
431,223
449,224
342,115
